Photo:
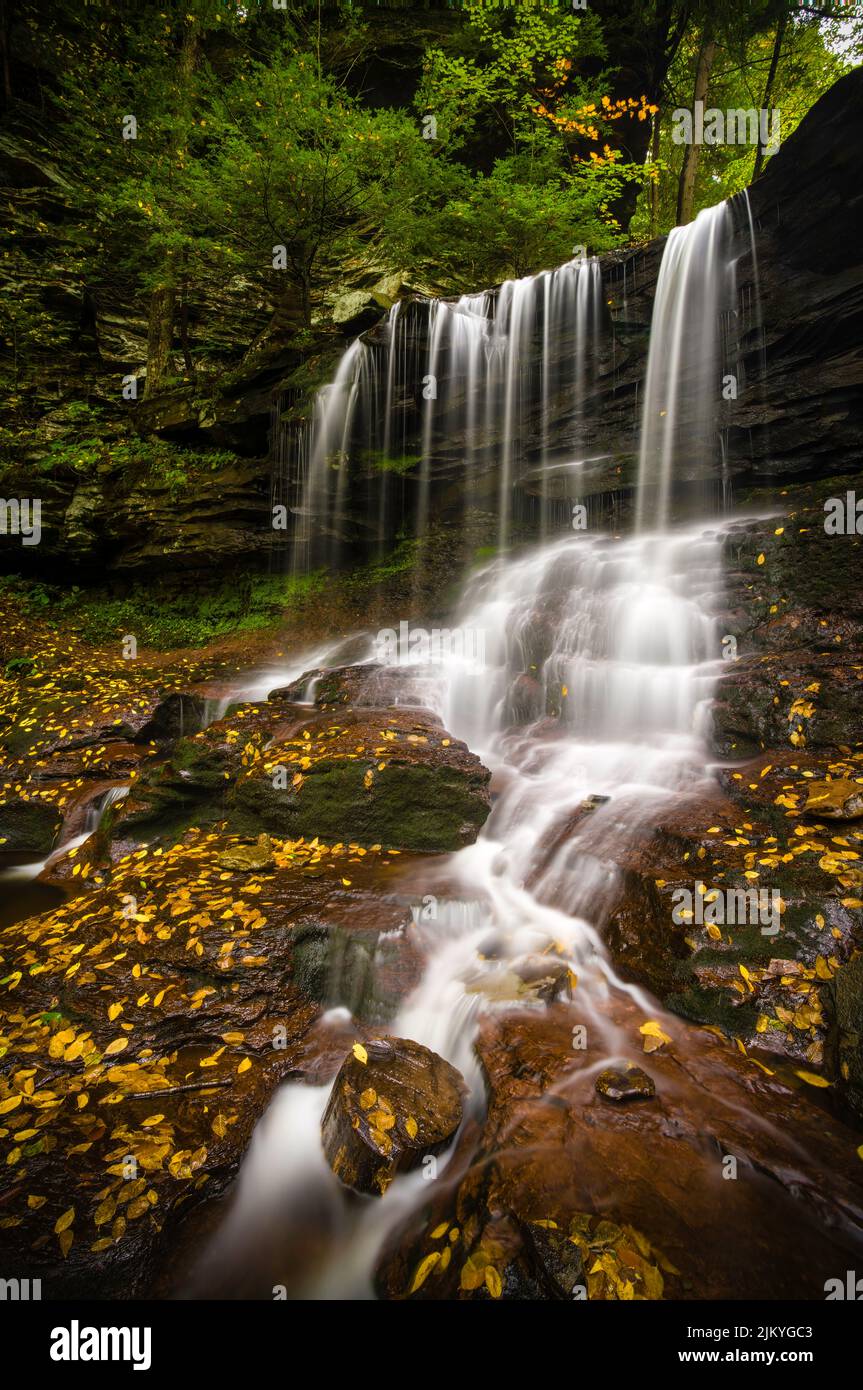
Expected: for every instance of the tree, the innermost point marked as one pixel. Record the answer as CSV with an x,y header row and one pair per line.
x,y
297,173
691,152
134,130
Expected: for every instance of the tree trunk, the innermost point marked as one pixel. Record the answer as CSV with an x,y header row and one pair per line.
x,y
160,337
692,153
4,55
768,89
654,180
163,301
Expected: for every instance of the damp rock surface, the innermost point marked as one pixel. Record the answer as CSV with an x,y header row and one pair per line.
x,y
393,1103
625,1084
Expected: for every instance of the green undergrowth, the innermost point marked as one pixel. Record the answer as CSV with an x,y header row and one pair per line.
x,y
164,615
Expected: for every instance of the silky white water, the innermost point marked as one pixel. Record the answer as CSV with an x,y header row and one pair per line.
x,y
478,376
683,386
587,697
626,628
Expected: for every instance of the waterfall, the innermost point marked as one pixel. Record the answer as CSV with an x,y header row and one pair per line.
x,y
442,389
683,386
587,694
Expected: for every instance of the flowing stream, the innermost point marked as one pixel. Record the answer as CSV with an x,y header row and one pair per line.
x,y
587,696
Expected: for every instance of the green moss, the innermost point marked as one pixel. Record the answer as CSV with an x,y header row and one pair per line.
x,y
384,463
714,1007
164,614
400,561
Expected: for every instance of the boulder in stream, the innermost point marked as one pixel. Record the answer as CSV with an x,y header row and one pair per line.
x,y
393,1103
625,1083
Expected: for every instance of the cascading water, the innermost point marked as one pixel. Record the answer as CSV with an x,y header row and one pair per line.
x,y
463,388
587,701
683,387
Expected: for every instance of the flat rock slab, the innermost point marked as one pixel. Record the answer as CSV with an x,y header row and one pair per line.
x,y
391,777
393,1103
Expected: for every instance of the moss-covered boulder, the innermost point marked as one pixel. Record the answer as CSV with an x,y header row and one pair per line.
x,y
28,825
393,777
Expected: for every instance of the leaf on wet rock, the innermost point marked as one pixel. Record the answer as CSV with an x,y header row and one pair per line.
x,y
654,1038
65,1221
812,1079
423,1270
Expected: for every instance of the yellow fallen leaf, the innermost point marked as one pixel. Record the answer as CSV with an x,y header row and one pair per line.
x,y
361,1056
424,1269
105,1212
653,1035
811,1079
64,1222
118,1045
244,1065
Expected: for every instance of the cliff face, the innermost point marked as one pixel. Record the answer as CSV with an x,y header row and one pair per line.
x,y
798,415
796,339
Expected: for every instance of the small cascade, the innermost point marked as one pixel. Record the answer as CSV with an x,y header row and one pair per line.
x,y
18,875
93,817
443,390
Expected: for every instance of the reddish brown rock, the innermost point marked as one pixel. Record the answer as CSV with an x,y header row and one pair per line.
x,y
393,1103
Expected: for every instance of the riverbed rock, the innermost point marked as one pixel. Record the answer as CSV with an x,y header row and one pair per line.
x,y
616,1180
558,1260
28,824
394,777
836,800
625,1084
248,857
393,1103
144,1029
366,685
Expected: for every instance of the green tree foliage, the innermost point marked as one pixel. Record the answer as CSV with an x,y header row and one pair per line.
x,y
529,132
296,162
774,56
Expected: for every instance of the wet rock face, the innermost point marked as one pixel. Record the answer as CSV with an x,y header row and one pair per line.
x,y
559,1187
793,619
847,1034
28,826
393,1103
365,686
